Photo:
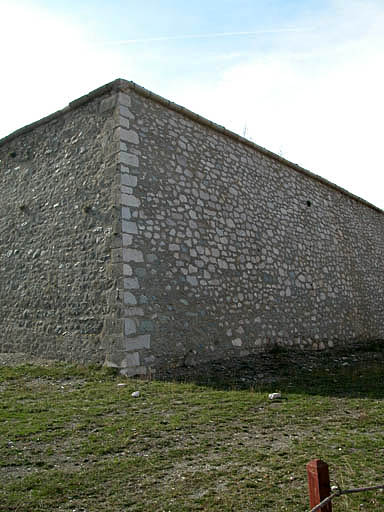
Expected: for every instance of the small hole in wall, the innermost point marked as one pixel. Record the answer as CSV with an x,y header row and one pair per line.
x,y
309,203
87,208
13,154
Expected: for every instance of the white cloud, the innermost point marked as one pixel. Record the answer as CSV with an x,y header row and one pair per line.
x,y
47,62
319,101
211,35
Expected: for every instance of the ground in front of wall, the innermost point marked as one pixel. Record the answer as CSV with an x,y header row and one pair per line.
x,y
74,439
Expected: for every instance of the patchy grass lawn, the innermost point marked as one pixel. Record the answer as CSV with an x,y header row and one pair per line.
x,y
73,440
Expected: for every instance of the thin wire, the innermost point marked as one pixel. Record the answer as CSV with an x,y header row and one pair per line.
x,y
324,502
340,492
350,491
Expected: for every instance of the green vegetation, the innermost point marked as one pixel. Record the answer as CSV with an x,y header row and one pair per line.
x,y
71,439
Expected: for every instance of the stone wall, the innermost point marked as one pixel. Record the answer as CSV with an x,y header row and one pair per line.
x,y
57,208
230,249
136,231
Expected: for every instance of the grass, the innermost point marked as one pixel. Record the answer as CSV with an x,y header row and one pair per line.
x,y
71,439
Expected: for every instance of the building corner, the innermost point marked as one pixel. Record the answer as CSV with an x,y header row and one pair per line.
x,y
129,345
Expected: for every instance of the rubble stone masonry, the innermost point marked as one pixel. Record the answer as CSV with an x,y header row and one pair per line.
x,y
136,233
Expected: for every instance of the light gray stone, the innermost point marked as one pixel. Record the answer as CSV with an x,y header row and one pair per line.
x,y
127,240
131,283
124,99
127,269
129,136
126,190
128,180
138,342
129,326
126,213
129,159
108,104
125,112
129,200
129,227
123,122
134,311
131,360
129,298
132,255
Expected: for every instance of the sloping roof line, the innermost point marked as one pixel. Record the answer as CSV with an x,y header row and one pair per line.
x,y
122,85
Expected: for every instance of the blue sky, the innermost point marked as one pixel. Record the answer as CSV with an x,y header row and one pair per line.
x,y
303,78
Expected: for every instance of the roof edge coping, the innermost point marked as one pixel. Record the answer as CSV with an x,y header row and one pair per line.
x,y
122,85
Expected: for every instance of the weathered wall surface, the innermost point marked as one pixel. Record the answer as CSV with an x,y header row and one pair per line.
x,y
134,232
228,250
57,201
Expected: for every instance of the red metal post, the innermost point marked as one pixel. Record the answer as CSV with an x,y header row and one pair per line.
x,y
318,483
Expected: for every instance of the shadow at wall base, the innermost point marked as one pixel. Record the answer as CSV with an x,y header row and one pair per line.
x,y
132,365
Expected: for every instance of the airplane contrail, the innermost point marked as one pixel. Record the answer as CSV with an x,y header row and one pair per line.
x,y
207,36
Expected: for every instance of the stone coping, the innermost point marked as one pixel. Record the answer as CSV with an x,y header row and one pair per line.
x,y
122,85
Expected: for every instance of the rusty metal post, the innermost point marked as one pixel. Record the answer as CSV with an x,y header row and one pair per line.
x,y
318,483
